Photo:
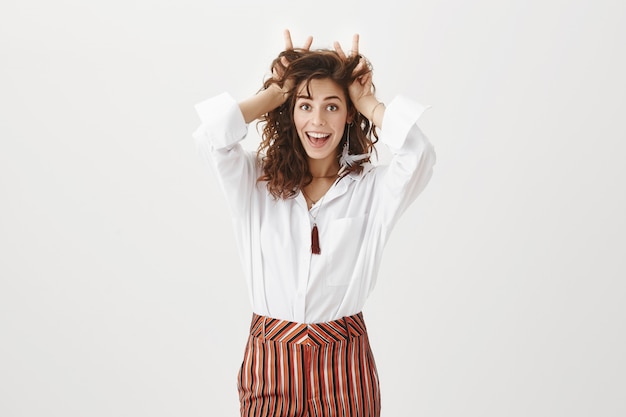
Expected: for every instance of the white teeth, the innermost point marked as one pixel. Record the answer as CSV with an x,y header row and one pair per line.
x,y
318,135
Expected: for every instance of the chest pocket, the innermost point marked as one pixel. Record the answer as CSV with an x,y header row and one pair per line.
x,y
343,244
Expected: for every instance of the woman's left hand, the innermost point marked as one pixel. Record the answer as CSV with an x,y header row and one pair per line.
x,y
361,90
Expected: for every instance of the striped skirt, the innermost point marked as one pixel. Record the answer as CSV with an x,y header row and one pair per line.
x,y
297,370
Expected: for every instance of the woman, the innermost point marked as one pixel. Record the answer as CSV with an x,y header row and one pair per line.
x,y
312,216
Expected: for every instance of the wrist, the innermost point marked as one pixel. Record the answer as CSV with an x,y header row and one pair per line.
x,y
275,95
373,109
263,102
377,108
366,105
277,92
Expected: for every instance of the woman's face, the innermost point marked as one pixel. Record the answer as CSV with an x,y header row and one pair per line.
x,y
320,118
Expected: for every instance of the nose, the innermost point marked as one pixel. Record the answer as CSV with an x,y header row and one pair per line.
x,y
318,117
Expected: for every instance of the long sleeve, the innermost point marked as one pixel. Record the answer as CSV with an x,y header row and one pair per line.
x,y
411,167
217,139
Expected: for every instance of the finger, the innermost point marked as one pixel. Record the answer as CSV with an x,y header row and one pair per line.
x,y
308,42
339,50
287,37
364,63
367,78
360,65
355,44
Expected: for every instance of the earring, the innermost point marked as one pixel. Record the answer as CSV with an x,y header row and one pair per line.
x,y
346,161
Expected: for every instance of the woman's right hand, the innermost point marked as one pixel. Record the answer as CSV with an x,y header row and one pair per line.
x,y
276,92
280,65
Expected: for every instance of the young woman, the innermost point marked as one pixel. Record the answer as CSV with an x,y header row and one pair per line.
x,y
312,216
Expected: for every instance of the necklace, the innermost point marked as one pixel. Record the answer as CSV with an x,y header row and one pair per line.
x,y
315,239
313,202
327,176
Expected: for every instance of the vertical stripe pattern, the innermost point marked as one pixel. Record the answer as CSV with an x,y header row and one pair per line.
x,y
299,370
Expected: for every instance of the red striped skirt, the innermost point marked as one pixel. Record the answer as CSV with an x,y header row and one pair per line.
x,y
293,369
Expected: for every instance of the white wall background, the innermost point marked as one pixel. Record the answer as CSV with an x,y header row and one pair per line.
x,y
120,289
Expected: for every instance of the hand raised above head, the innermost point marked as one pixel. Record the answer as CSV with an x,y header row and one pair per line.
x,y
289,43
362,89
353,52
289,47
279,66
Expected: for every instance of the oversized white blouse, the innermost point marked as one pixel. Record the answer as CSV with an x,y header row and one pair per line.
x,y
355,217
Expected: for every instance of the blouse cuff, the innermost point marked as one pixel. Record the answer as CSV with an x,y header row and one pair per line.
x,y
222,120
400,116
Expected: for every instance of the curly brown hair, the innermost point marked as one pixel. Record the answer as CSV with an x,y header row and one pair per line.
x,y
283,158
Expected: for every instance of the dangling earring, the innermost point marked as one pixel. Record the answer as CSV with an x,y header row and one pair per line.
x,y
346,160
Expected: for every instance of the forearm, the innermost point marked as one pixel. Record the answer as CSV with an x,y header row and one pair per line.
x,y
266,100
370,107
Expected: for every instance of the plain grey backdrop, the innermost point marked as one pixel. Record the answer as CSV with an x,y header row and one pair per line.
x,y
502,289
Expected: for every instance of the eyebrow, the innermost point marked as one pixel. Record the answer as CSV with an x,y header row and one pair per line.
x,y
308,97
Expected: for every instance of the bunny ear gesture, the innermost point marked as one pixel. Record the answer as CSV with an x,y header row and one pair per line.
x,y
362,89
278,70
354,51
289,43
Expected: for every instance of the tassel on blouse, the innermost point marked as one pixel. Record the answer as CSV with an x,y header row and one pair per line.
x,y
315,241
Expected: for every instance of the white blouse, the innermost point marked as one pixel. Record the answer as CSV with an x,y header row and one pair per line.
x,y
354,219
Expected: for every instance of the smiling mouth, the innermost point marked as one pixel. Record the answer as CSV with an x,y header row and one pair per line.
x,y
317,139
